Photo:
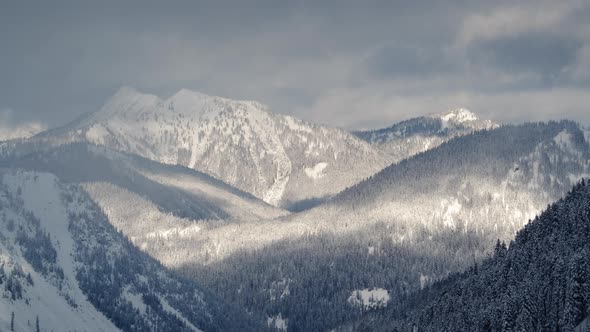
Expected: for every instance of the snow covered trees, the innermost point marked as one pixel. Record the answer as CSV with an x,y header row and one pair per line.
x,y
541,283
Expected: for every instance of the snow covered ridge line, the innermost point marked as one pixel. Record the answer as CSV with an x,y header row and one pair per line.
x,y
457,115
9,132
269,152
410,137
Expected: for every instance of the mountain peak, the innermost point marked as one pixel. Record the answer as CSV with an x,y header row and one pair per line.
x,y
458,115
186,94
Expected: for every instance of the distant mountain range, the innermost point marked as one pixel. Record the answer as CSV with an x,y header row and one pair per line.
x,y
277,158
270,221
410,137
413,223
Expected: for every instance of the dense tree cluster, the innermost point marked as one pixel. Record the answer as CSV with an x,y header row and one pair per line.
x,y
404,249
39,252
110,266
13,282
540,283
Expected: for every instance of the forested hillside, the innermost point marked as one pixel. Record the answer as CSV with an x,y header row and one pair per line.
x,y
397,232
540,282
63,267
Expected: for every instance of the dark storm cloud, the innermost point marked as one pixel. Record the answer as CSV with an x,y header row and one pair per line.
x,y
345,63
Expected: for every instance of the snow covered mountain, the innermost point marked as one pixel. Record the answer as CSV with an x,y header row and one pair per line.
x,y
398,231
407,138
152,203
176,190
9,132
280,159
184,179
63,267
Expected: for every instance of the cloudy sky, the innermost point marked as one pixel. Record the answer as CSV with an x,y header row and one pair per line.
x,y
356,64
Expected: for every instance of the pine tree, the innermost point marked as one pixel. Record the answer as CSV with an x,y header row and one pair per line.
x,y
575,306
508,313
12,321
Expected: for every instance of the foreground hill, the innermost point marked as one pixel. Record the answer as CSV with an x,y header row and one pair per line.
x,y
280,159
540,283
410,137
65,268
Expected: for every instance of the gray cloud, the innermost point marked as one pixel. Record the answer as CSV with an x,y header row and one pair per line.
x,y
9,129
402,61
539,53
350,64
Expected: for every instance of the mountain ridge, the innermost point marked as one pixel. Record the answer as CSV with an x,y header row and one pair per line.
x,y
409,137
270,152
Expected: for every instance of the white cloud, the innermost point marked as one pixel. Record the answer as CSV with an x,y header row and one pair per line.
x,y
514,20
9,129
376,108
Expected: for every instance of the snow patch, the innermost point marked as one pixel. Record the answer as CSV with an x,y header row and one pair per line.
x,y
451,209
459,115
278,322
565,141
316,172
167,307
136,300
96,134
373,298
424,280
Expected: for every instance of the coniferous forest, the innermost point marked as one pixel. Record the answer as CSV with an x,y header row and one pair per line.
x,y
295,166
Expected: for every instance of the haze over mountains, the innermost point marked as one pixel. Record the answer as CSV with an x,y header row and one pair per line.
x,y
261,220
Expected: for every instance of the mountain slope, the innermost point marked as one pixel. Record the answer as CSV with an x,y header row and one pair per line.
x,y
521,167
177,190
153,203
398,231
541,282
407,138
275,157
63,263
